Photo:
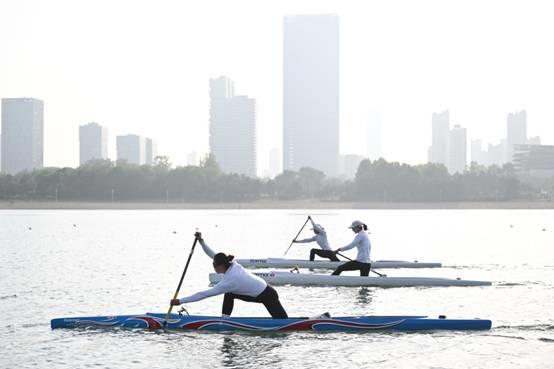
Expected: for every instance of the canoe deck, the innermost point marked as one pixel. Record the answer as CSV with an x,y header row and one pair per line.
x,y
254,324
327,264
300,279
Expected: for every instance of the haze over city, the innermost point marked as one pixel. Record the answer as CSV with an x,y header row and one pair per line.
x,y
144,69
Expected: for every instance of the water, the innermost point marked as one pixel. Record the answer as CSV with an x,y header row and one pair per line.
x,y
124,262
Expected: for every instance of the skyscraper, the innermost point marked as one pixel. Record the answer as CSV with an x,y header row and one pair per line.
x,y
311,92
131,148
22,134
150,151
438,152
232,128
477,152
457,151
516,133
93,142
275,157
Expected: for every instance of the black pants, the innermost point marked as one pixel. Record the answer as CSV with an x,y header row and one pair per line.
x,y
268,297
327,254
364,268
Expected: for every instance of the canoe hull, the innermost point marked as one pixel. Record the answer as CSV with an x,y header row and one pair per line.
x,y
211,323
326,264
299,279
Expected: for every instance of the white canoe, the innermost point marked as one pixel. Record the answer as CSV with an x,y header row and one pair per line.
x,y
327,264
299,279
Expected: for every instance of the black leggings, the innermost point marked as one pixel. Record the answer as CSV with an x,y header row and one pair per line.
x,y
268,297
327,254
364,268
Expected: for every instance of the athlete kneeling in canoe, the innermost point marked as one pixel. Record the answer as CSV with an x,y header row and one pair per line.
x,y
237,283
321,239
361,242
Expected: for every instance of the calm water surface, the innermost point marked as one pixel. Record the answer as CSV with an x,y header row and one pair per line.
x,y
71,263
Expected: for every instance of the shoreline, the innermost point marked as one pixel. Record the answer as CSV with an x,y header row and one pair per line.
x,y
81,205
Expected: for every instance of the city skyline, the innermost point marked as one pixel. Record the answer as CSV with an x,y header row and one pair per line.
x,y
404,83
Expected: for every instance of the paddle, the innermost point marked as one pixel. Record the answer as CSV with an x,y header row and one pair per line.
x,y
298,234
347,258
181,280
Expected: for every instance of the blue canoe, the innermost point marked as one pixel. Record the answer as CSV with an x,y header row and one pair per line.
x,y
212,323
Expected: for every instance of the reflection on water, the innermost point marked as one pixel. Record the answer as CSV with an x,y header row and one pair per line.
x,y
365,295
250,351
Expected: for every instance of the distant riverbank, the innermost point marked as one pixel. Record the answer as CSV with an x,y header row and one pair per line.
x,y
274,205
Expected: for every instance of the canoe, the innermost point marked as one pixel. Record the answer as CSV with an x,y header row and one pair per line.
x,y
300,279
327,264
213,323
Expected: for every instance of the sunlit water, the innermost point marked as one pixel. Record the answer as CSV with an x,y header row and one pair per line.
x,y
125,262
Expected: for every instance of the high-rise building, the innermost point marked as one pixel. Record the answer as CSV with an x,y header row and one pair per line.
x,y
132,149
311,93
275,157
535,160
22,134
457,150
496,154
438,152
93,142
150,151
516,133
232,128
478,155
536,140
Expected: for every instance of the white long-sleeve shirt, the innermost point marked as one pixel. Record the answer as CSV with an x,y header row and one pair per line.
x,y
361,242
320,237
236,280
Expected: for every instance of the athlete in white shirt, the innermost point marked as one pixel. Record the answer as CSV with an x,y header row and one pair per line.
x,y
320,238
237,283
361,242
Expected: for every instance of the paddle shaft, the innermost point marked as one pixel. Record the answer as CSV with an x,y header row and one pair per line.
x,y
181,280
347,258
298,234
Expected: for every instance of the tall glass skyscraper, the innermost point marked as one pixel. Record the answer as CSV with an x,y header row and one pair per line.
x,y
232,128
311,92
22,134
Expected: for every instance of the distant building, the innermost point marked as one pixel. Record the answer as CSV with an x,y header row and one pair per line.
x,y
478,155
132,149
275,157
534,140
192,159
457,151
232,128
496,154
535,160
438,152
22,134
311,93
93,142
349,165
516,132
150,151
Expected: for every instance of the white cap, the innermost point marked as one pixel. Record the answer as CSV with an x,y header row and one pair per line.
x,y
355,224
318,227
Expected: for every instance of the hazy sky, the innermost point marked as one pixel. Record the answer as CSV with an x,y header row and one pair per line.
x,y
143,67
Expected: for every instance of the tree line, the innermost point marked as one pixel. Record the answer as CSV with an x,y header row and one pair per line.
x,y
379,180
